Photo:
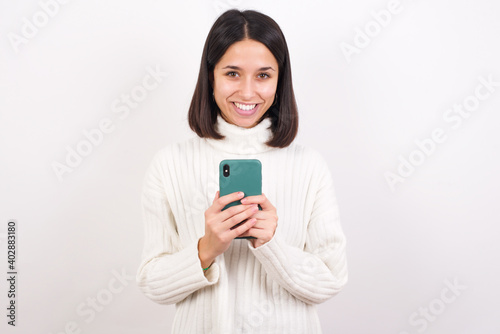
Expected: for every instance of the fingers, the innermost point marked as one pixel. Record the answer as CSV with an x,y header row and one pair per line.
x,y
262,200
240,230
264,227
243,220
260,233
220,202
236,214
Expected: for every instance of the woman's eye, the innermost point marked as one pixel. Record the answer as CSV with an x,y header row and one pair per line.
x,y
231,74
263,75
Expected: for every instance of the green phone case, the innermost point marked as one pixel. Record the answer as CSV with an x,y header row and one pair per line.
x,y
244,175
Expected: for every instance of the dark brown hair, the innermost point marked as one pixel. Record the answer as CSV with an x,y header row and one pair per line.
x,y
231,27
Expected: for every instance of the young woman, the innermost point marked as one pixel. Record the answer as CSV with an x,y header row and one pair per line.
x,y
243,107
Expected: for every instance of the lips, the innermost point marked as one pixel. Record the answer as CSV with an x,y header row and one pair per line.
x,y
245,107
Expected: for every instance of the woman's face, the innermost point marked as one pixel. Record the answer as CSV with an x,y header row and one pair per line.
x,y
245,81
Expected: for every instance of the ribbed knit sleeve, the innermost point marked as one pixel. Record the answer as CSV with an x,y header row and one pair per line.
x,y
319,270
168,272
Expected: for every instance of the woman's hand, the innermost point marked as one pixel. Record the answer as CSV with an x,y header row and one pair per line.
x,y
267,220
218,223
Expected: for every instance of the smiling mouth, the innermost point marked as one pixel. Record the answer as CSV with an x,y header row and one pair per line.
x,y
245,107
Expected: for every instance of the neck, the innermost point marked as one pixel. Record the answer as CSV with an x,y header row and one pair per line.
x,y
239,140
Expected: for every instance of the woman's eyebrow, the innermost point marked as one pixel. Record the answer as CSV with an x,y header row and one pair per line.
x,y
239,68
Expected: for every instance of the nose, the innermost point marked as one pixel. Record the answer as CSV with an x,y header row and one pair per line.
x,y
247,89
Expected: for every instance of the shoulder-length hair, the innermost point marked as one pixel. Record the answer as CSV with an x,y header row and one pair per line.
x,y
231,27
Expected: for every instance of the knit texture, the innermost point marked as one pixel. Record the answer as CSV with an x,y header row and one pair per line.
x,y
273,288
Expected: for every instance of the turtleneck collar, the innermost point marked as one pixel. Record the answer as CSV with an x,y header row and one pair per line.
x,y
239,140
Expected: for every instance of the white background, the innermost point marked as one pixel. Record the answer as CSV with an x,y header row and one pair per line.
x,y
405,245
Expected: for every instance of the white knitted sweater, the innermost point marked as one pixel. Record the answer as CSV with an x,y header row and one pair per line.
x,y
269,289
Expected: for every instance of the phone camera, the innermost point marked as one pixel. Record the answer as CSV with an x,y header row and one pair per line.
x,y
225,170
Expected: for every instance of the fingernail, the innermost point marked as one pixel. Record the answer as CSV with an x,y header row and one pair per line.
x,y
244,200
240,194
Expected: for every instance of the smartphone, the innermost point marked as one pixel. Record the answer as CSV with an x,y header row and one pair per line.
x,y
240,175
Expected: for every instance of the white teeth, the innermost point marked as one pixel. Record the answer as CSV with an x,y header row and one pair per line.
x,y
245,106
